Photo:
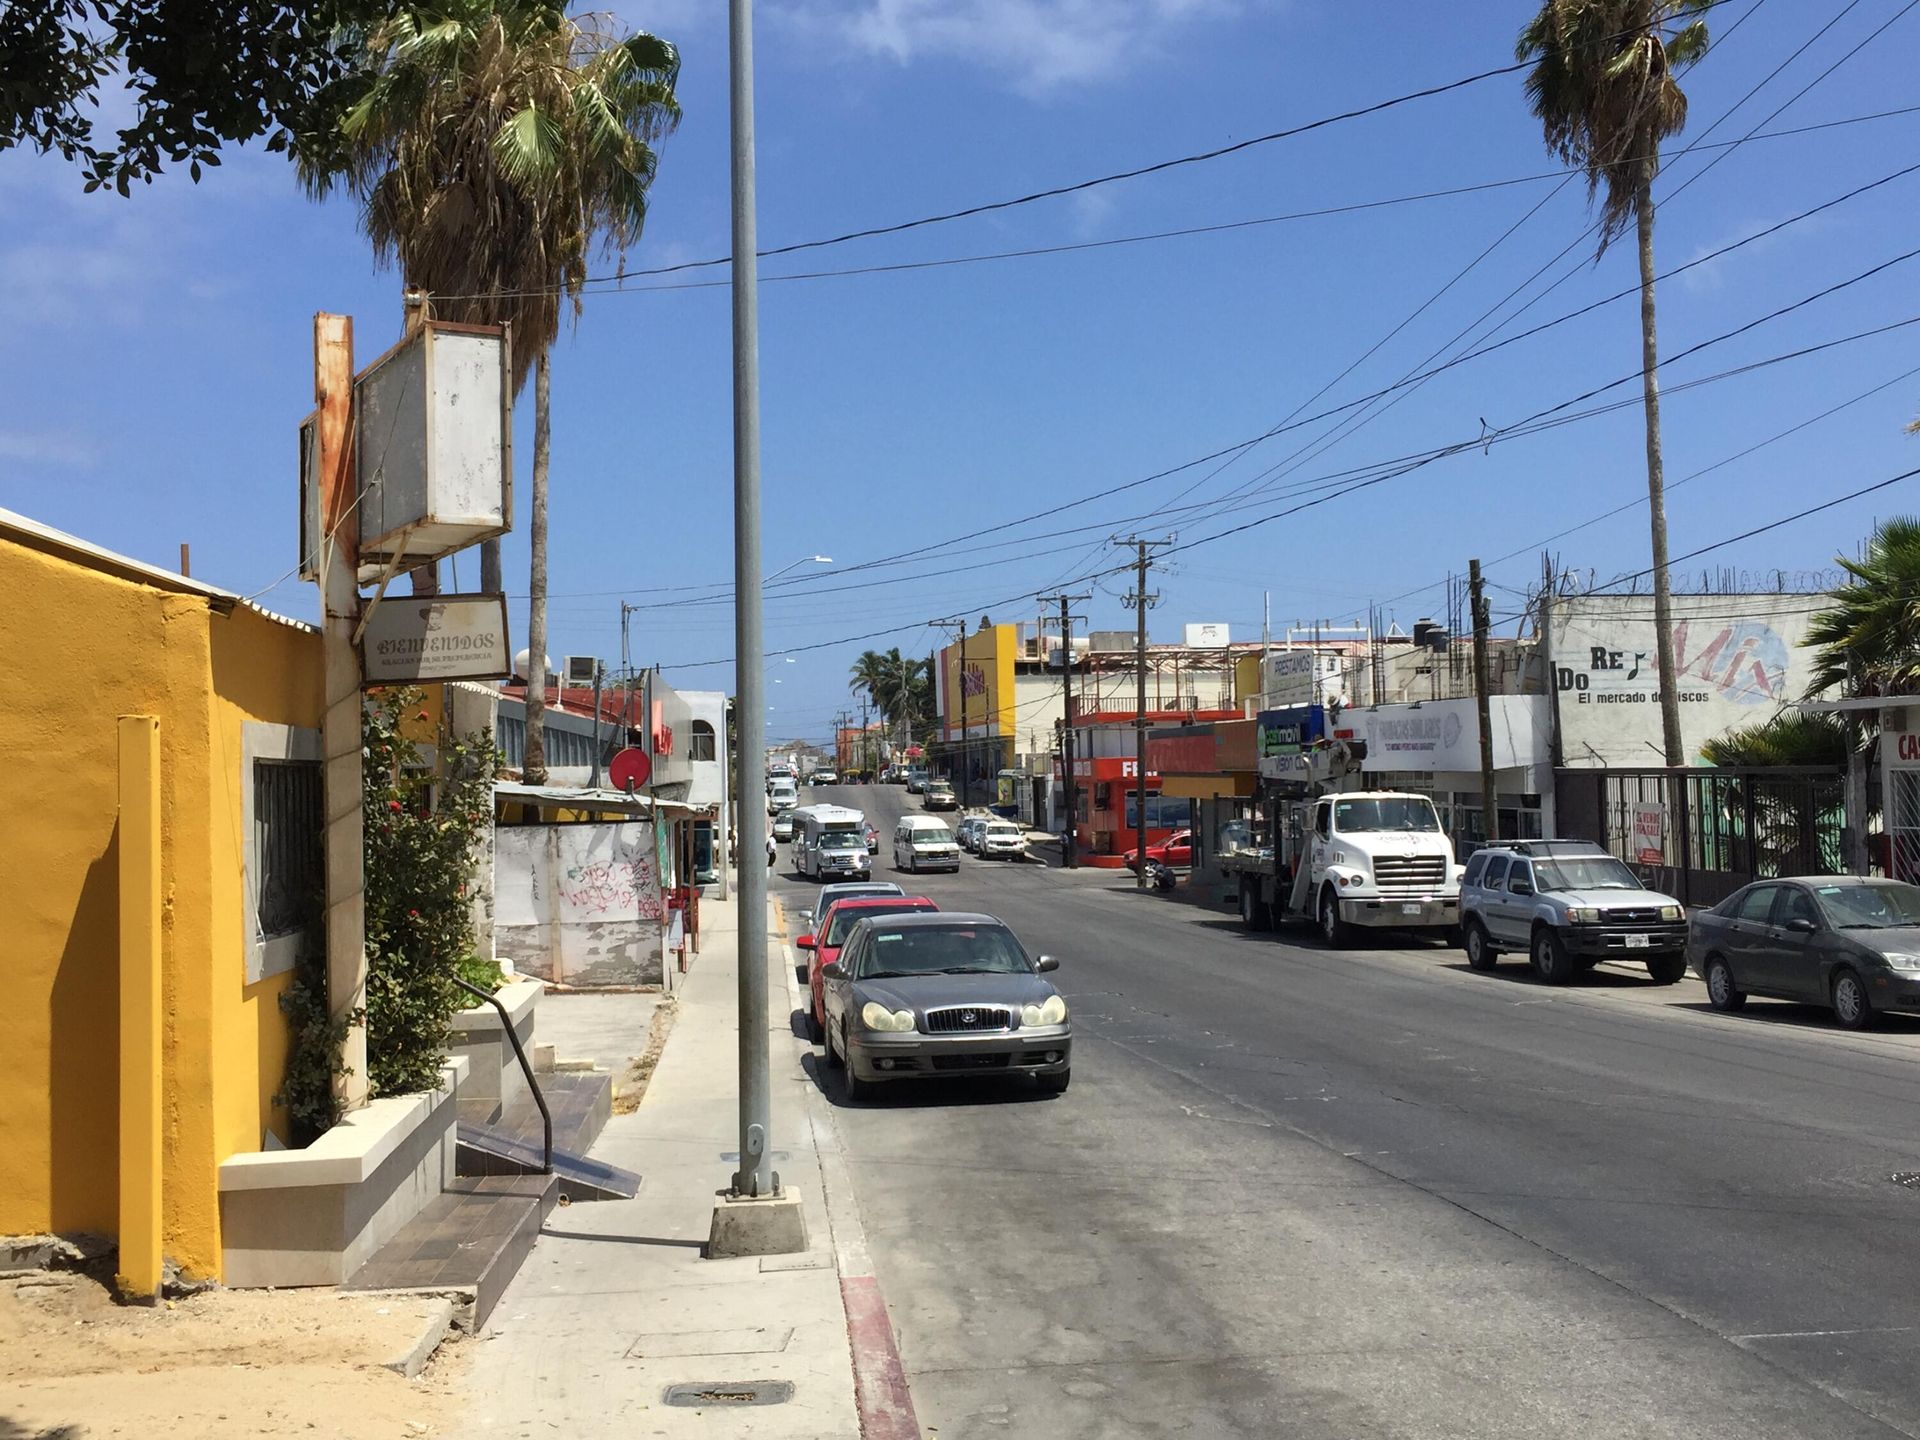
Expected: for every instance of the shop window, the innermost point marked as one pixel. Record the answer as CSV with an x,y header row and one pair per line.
x,y
1164,812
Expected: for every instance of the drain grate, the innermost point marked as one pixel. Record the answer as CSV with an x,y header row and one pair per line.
x,y
1908,1178
700,1394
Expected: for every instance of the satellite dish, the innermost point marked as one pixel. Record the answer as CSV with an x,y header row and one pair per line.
x,y
630,769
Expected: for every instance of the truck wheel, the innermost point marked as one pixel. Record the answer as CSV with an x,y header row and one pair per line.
x,y
1550,959
1255,913
1480,952
1667,969
1334,930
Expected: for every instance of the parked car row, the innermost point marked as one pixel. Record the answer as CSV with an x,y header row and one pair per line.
x,y
898,989
1848,943
991,837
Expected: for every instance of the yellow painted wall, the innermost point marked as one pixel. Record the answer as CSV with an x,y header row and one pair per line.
x,y
1246,678
103,644
991,652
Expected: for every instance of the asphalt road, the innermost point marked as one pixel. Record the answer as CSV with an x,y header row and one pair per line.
x,y
1372,1193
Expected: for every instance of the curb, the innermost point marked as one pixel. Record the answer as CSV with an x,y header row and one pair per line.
x,y
881,1395
413,1359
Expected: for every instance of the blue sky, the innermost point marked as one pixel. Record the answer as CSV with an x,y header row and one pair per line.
x,y
156,356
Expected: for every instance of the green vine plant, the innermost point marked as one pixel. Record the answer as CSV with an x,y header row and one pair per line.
x,y
308,1091
425,828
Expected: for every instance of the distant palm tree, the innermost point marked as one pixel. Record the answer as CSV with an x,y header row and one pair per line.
x,y
1868,641
1603,88
490,143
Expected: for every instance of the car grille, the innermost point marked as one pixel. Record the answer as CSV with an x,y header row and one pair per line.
x,y
1638,917
959,1019
1409,874
970,1062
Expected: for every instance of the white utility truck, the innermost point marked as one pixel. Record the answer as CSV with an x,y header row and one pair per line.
x,y
1342,859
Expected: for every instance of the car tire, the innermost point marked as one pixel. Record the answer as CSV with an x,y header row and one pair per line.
x,y
1481,954
1551,962
800,974
1333,929
1722,993
816,1032
1667,969
1852,1008
852,1087
1054,1084
833,1055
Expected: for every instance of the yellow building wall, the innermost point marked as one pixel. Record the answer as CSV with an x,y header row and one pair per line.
x,y
103,645
991,651
1246,678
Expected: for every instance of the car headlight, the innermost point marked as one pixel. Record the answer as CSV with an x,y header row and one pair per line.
x,y
878,1017
1904,962
1583,914
1671,912
1051,1011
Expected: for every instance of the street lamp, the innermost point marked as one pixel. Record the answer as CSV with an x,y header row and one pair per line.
x,y
803,560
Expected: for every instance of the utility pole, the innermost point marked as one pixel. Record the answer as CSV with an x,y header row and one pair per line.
x,y
960,685
753,1217
1141,602
1489,801
1069,850
599,672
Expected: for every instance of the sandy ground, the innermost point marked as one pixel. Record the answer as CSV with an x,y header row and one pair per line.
x,y
223,1364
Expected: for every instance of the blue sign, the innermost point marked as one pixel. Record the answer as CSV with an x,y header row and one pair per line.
x,y
1290,731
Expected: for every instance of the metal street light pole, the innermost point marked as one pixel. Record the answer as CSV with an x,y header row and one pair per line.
x,y
755,1175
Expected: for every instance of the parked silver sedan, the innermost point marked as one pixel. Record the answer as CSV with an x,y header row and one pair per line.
x,y
949,995
1841,941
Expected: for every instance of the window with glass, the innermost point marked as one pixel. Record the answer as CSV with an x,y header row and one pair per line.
x,y
1164,812
1496,875
1870,905
1583,872
1795,904
941,950
1755,904
1385,812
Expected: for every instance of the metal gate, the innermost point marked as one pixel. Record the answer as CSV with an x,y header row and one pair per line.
x,y
1725,828
1903,824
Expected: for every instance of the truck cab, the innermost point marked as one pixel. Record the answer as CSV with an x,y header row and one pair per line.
x,y
1375,858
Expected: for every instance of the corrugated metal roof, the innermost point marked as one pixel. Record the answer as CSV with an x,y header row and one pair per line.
x,y
84,551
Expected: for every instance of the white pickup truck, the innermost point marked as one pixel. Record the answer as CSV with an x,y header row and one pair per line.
x,y
1374,858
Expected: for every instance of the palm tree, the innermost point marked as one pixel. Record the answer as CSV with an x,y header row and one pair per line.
x,y
1603,88
1868,642
490,143
897,684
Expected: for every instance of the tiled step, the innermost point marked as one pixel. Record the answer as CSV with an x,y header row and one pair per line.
x,y
581,1102
579,1177
467,1244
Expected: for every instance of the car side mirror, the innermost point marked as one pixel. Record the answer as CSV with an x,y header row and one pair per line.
x,y
835,971
806,942
1044,964
1520,887
1800,925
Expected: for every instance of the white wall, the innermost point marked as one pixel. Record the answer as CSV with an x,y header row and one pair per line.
x,y
579,904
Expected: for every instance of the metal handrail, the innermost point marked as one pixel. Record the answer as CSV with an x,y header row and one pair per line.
x,y
526,1068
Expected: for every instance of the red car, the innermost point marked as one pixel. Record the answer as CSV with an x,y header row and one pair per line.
x,y
1176,849
825,943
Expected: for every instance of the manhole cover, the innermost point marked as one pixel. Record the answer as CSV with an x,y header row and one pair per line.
x,y
700,1394
1908,1178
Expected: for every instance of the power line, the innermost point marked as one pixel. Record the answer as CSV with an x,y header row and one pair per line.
x,y
1075,187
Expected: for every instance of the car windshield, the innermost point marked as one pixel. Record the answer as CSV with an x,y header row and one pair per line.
x,y
1003,829
1582,872
1393,812
933,837
843,919
1862,906
940,785
944,950
843,839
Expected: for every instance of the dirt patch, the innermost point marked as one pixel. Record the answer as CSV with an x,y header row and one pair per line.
x,y
630,1088
225,1363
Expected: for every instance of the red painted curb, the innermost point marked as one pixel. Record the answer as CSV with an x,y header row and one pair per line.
x,y
879,1382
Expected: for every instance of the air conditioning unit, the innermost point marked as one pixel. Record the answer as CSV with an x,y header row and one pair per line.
x,y
579,670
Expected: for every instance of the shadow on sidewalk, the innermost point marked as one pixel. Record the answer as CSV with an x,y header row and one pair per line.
x,y
547,1232
925,1093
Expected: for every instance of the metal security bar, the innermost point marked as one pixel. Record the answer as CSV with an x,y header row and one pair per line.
x,y
289,823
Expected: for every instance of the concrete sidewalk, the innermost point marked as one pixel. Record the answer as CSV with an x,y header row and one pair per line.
x,y
617,1304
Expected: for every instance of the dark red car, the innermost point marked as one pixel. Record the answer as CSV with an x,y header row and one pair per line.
x,y
1176,849
824,944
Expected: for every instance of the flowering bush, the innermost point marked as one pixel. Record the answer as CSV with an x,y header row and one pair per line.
x,y
424,832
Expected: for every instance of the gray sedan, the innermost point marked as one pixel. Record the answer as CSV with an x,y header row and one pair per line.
x,y
1841,941
948,995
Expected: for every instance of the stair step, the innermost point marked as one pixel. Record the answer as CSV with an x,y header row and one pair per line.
x,y
487,1152
467,1243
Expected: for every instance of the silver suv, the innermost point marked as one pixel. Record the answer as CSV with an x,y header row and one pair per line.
x,y
1568,905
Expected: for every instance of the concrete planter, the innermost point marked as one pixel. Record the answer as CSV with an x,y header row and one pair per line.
x,y
313,1216
477,1035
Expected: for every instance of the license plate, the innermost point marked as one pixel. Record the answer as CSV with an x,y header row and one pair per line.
x,y
1410,909
1639,942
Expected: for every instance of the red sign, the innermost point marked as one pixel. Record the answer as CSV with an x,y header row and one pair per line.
x,y
630,769
1910,746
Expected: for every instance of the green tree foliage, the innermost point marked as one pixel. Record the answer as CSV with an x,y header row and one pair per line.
x,y
1789,738
202,73
1868,641
900,686
424,830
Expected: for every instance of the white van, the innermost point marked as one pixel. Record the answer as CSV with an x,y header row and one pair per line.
x,y
782,794
831,841
921,842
